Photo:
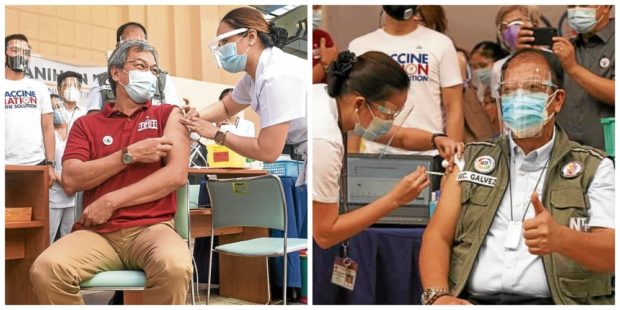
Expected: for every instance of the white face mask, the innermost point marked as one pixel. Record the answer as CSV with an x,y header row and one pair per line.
x,y
71,94
142,85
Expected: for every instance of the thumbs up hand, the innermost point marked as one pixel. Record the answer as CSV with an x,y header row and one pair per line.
x,y
542,233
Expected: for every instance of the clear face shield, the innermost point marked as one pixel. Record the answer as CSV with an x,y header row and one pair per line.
x,y
218,43
131,36
523,107
385,116
17,55
70,89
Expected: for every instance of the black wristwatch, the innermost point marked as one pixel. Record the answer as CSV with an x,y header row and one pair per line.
x,y
434,136
50,163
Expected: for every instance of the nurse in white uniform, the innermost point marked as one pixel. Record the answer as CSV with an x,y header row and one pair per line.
x,y
364,94
274,86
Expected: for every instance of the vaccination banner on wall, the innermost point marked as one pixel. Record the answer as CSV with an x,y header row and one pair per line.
x,y
46,71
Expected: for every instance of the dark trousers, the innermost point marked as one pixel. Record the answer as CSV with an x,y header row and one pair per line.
x,y
505,299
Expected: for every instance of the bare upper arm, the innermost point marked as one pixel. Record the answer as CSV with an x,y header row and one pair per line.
x,y
448,210
451,95
273,138
232,107
179,155
324,215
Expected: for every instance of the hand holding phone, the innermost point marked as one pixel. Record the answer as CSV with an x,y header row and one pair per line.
x,y
544,36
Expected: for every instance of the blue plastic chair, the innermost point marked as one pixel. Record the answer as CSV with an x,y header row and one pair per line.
x,y
134,281
256,202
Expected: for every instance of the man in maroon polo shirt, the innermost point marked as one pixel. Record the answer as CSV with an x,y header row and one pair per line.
x,y
129,159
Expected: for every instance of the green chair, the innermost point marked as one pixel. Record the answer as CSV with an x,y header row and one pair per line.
x,y
194,193
133,281
256,202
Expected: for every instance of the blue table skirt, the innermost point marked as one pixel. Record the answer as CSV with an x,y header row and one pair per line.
x,y
387,269
297,212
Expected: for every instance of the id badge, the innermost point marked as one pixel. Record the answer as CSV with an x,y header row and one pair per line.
x,y
344,273
513,235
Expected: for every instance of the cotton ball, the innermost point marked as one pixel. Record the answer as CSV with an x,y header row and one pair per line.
x,y
444,163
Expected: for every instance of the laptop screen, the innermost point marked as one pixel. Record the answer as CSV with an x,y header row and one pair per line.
x,y
370,177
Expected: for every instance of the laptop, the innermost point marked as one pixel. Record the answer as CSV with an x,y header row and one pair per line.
x,y
371,177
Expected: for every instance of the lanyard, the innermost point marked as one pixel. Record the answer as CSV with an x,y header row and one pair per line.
x,y
344,191
535,187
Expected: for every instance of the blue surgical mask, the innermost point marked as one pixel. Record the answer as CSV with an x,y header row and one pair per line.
x,y
59,114
582,20
525,112
375,130
142,85
483,76
230,60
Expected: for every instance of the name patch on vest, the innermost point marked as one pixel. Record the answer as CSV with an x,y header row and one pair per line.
x,y
469,176
580,224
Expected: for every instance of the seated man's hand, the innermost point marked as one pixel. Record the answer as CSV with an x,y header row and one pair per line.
x,y
150,150
409,187
52,174
542,233
97,213
447,149
202,127
450,300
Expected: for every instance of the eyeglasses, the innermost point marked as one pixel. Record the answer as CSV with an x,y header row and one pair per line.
x,y
510,88
518,21
143,66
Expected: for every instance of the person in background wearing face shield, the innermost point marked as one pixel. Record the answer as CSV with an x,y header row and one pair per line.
x,y
530,218
274,86
29,126
510,21
62,206
100,91
69,85
483,55
129,159
430,60
364,94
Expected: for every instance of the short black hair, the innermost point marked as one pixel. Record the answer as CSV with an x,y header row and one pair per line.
x,y
490,49
17,36
224,93
61,77
555,67
121,29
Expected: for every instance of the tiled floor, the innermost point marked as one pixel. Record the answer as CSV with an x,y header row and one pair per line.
x,y
102,298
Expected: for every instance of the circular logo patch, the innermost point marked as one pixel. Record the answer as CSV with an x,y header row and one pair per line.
x,y
484,164
604,63
107,140
572,170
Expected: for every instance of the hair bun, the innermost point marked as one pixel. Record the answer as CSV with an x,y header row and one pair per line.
x,y
279,35
339,72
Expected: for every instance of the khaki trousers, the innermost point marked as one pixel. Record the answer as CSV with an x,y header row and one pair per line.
x,y
157,249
